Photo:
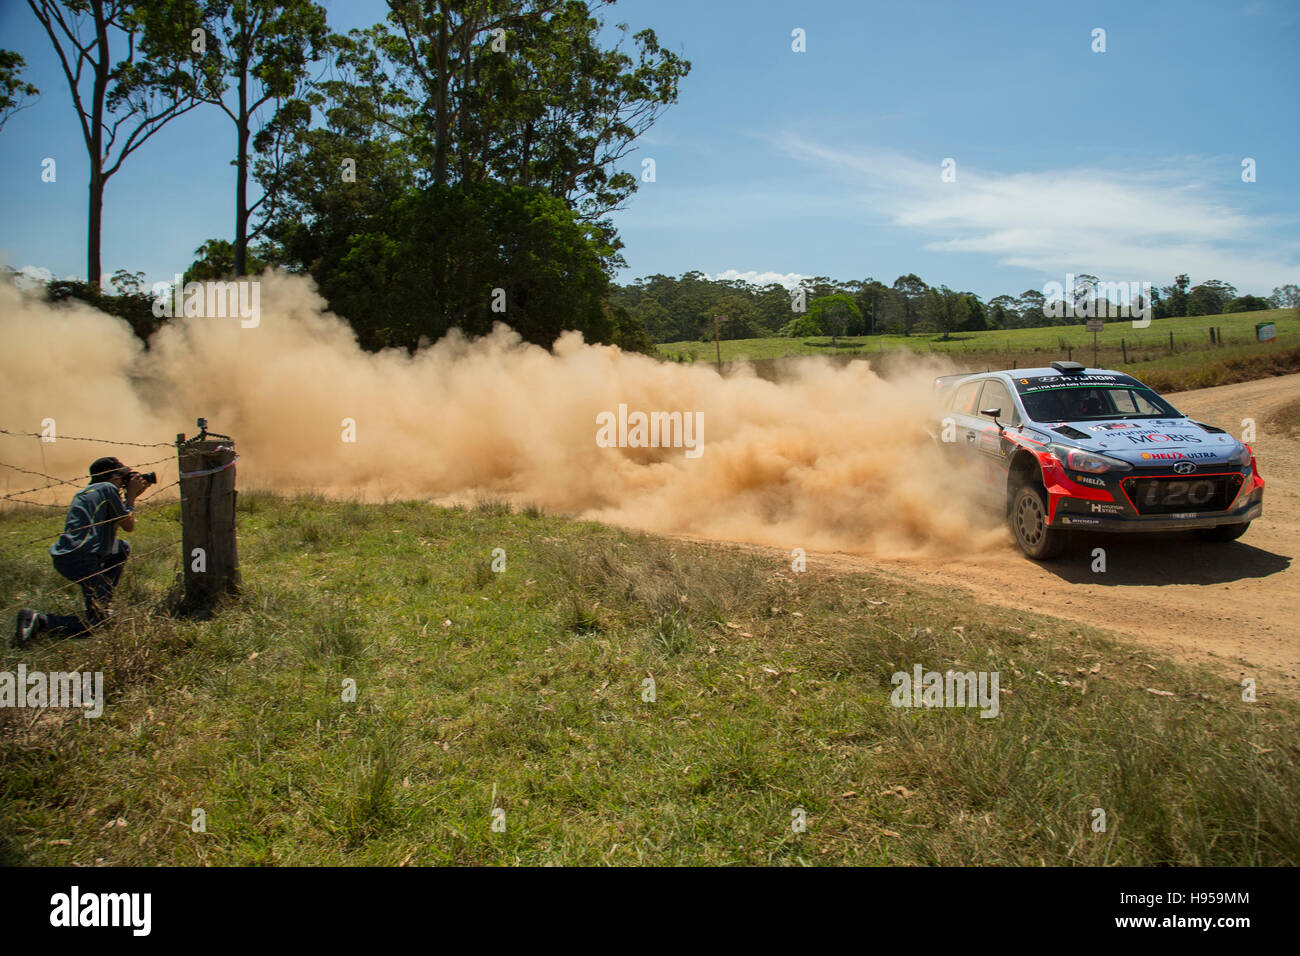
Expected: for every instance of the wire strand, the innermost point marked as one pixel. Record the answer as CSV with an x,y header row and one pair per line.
x,y
62,587
95,524
56,481
101,441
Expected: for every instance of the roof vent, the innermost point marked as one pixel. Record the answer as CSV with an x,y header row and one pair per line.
x,y
1068,368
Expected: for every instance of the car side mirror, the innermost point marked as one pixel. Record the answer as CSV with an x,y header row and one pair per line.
x,y
993,413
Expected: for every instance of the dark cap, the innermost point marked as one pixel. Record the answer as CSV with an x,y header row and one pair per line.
x,y
106,468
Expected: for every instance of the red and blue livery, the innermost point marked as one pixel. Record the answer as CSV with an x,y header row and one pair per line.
x,y
1069,448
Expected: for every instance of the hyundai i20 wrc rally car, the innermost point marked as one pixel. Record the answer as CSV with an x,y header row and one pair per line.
x,y
1071,448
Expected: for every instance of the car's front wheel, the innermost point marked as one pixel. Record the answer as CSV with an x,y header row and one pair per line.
x,y
1224,532
1028,519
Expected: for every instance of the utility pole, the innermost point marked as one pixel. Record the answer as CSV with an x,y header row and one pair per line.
x,y
717,341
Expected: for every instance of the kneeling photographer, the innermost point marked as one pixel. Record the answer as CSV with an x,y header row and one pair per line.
x,y
88,551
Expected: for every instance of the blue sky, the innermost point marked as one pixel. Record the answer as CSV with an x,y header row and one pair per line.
x,y
1124,164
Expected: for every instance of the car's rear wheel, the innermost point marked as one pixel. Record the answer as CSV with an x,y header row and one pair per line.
x,y
1029,524
1224,532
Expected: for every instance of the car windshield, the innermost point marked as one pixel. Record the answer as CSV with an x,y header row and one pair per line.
x,y
1081,402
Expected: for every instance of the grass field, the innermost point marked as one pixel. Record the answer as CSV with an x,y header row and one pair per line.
x,y
1147,350
525,692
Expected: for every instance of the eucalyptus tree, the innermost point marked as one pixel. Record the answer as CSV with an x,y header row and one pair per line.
x,y
520,91
909,296
14,90
131,68
259,53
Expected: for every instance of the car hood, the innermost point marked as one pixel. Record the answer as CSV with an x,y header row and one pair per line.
x,y
1146,441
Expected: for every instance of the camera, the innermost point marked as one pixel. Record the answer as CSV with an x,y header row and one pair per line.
x,y
150,477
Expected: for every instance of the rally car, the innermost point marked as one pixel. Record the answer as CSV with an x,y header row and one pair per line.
x,y
1072,448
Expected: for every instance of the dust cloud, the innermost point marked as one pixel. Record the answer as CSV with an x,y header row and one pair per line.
x,y
830,457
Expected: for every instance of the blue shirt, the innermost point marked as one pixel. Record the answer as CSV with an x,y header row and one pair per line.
x,y
92,521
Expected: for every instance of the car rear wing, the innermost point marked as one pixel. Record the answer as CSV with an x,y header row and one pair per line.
x,y
944,382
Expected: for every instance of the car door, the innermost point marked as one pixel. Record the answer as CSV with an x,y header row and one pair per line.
x,y
992,444
965,415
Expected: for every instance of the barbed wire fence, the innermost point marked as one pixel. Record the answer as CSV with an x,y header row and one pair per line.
x,y
55,482
206,493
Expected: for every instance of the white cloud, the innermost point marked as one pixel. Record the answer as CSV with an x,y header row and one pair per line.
x,y
1143,226
790,280
35,274
31,277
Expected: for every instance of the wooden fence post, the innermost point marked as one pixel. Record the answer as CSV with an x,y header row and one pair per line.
x,y
207,486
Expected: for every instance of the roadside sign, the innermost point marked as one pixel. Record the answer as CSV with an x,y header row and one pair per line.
x,y
1265,331
1094,326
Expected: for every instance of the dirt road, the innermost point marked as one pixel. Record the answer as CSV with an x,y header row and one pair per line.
x,y
1236,605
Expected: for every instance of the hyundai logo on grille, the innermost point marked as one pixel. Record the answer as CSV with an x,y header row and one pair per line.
x,y
1184,467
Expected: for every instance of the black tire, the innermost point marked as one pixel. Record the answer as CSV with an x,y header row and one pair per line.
x,y
1223,532
1028,519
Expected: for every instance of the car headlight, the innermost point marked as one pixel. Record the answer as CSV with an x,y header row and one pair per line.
x,y
1076,459
1242,457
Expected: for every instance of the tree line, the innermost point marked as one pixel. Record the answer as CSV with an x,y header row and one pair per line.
x,y
695,307
454,165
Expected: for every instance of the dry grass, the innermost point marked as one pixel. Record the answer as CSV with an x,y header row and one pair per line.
x,y
527,690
